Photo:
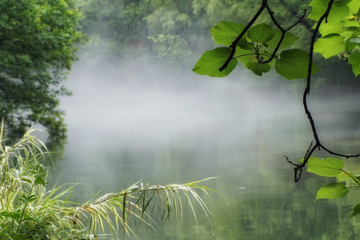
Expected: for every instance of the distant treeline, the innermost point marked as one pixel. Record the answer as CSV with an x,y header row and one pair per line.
x,y
176,31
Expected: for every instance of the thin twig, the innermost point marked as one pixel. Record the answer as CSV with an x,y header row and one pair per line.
x,y
318,144
283,31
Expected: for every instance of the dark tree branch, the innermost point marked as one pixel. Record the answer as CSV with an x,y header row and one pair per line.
x,y
318,145
283,31
233,45
294,14
263,6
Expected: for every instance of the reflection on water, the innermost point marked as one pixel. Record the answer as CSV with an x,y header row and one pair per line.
x,y
120,134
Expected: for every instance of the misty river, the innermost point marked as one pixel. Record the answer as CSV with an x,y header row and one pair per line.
x,y
163,127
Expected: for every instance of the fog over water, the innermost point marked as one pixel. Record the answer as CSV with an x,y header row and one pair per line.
x,y
165,126
158,103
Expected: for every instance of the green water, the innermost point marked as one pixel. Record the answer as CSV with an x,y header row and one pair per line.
x,y
259,199
119,134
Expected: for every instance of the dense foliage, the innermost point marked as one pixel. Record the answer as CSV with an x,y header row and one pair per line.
x,y
38,42
260,46
170,29
127,34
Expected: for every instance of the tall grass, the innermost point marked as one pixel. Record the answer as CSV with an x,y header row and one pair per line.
x,y
29,211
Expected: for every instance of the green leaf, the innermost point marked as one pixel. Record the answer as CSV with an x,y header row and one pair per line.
x,y
226,32
351,22
330,45
354,60
318,9
302,160
212,60
293,64
332,190
261,33
41,181
328,167
331,28
243,44
356,211
343,176
336,14
339,3
350,44
288,40
258,68
244,56
350,32
354,6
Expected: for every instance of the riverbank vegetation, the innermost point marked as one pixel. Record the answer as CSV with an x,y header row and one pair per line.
x,y
38,44
28,210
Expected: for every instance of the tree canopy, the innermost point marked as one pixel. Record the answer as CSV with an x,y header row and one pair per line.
x,y
38,42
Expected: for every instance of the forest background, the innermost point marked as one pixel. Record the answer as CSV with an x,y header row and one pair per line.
x,y
128,35
177,32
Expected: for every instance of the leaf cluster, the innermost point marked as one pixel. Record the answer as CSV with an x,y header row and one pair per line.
x,y
38,44
333,167
255,51
259,45
340,32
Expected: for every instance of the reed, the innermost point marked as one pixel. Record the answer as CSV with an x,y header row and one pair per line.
x,y
28,210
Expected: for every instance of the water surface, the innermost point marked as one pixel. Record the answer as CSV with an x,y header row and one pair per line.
x,y
139,128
